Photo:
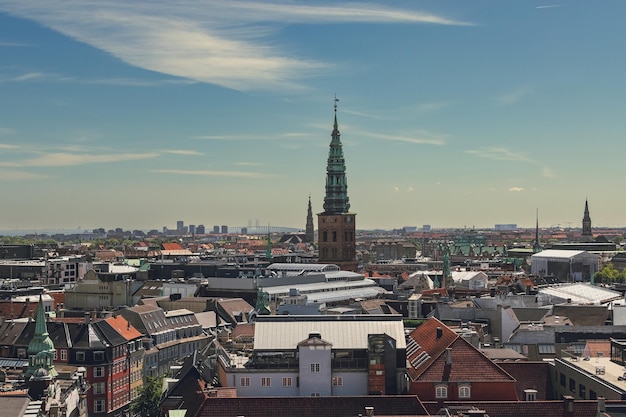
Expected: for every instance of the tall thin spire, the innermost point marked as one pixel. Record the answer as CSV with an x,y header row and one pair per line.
x,y
41,349
310,228
536,245
587,221
336,200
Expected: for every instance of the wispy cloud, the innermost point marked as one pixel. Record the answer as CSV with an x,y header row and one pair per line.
x,y
9,44
212,173
547,172
6,131
246,137
67,159
431,107
549,6
249,164
512,97
499,154
227,43
11,175
182,152
420,138
516,189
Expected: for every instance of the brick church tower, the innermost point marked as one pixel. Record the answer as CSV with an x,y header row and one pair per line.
x,y
336,225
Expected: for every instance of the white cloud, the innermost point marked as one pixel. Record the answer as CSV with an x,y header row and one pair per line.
x,y
396,188
59,159
182,152
249,164
420,138
516,189
212,173
548,173
499,154
227,43
549,6
512,97
11,175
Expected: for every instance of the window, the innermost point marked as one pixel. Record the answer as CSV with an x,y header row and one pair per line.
x,y
98,388
55,355
244,382
337,381
593,395
98,371
465,391
98,406
266,381
80,356
325,236
287,381
441,391
562,381
98,356
315,368
315,394
572,385
546,349
334,236
63,354
582,390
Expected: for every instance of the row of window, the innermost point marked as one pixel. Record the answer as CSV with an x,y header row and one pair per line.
x,y
582,389
287,381
441,391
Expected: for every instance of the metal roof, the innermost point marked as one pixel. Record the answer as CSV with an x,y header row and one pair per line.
x,y
559,253
342,331
581,293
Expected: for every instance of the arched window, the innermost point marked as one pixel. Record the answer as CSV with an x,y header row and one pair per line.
x,y
441,391
325,236
465,391
334,235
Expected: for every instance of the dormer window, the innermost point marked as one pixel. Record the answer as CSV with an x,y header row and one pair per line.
x,y
465,391
441,391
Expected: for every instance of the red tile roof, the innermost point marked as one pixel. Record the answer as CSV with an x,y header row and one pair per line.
x,y
586,408
172,246
123,327
529,375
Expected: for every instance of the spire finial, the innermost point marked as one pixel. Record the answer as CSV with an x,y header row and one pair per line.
x,y
336,101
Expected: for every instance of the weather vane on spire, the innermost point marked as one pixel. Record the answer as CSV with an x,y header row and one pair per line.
x,y
336,100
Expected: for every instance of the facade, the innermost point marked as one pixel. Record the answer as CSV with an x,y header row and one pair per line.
x,y
336,225
65,270
103,290
171,335
303,356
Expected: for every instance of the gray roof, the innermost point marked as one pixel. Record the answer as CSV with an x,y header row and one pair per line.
x,y
343,331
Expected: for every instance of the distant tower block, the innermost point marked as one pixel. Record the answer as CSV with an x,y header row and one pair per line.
x,y
336,225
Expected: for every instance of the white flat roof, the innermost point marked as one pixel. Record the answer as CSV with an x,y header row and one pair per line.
x,y
582,293
343,332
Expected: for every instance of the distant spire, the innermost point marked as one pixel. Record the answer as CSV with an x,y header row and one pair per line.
x,y
268,252
536,245
587,221
310,228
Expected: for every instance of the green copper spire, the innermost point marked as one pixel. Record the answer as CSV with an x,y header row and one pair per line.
x,y
310,228
336,200
41,349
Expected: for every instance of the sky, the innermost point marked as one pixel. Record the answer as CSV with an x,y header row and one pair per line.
x,y
452,113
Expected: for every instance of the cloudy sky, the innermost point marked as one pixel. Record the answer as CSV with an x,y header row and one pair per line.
x,y
455,114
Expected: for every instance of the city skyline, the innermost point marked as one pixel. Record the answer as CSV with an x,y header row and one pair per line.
x,y
455,114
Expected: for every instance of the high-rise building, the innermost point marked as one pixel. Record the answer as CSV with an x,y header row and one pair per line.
x,y
309,236
224,229
216,229
192,229
179,226
336,224
200,229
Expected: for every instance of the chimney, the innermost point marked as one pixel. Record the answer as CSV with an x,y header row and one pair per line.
x,y
87,318
601,405
449,356
568,405
369,411
439,333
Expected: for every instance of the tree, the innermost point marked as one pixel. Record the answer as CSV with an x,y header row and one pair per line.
x,y
147,404
609,274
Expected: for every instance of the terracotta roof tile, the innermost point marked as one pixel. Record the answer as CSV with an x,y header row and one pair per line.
x,y
123,327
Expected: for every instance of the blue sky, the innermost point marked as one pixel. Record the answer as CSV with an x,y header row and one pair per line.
x,y
455,114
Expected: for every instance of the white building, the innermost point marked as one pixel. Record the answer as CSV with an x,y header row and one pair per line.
x,y
565,265
344,355
474,280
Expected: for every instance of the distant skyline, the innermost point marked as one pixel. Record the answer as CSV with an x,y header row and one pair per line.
x,y
452,114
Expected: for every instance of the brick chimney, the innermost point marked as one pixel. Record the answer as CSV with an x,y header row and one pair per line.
x,y
568,405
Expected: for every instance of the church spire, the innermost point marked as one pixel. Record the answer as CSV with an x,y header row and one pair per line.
x,y
336,200
536,245
41,349
310,228
586,221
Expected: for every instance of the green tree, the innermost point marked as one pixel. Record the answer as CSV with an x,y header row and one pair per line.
x,y
147,404
609,274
